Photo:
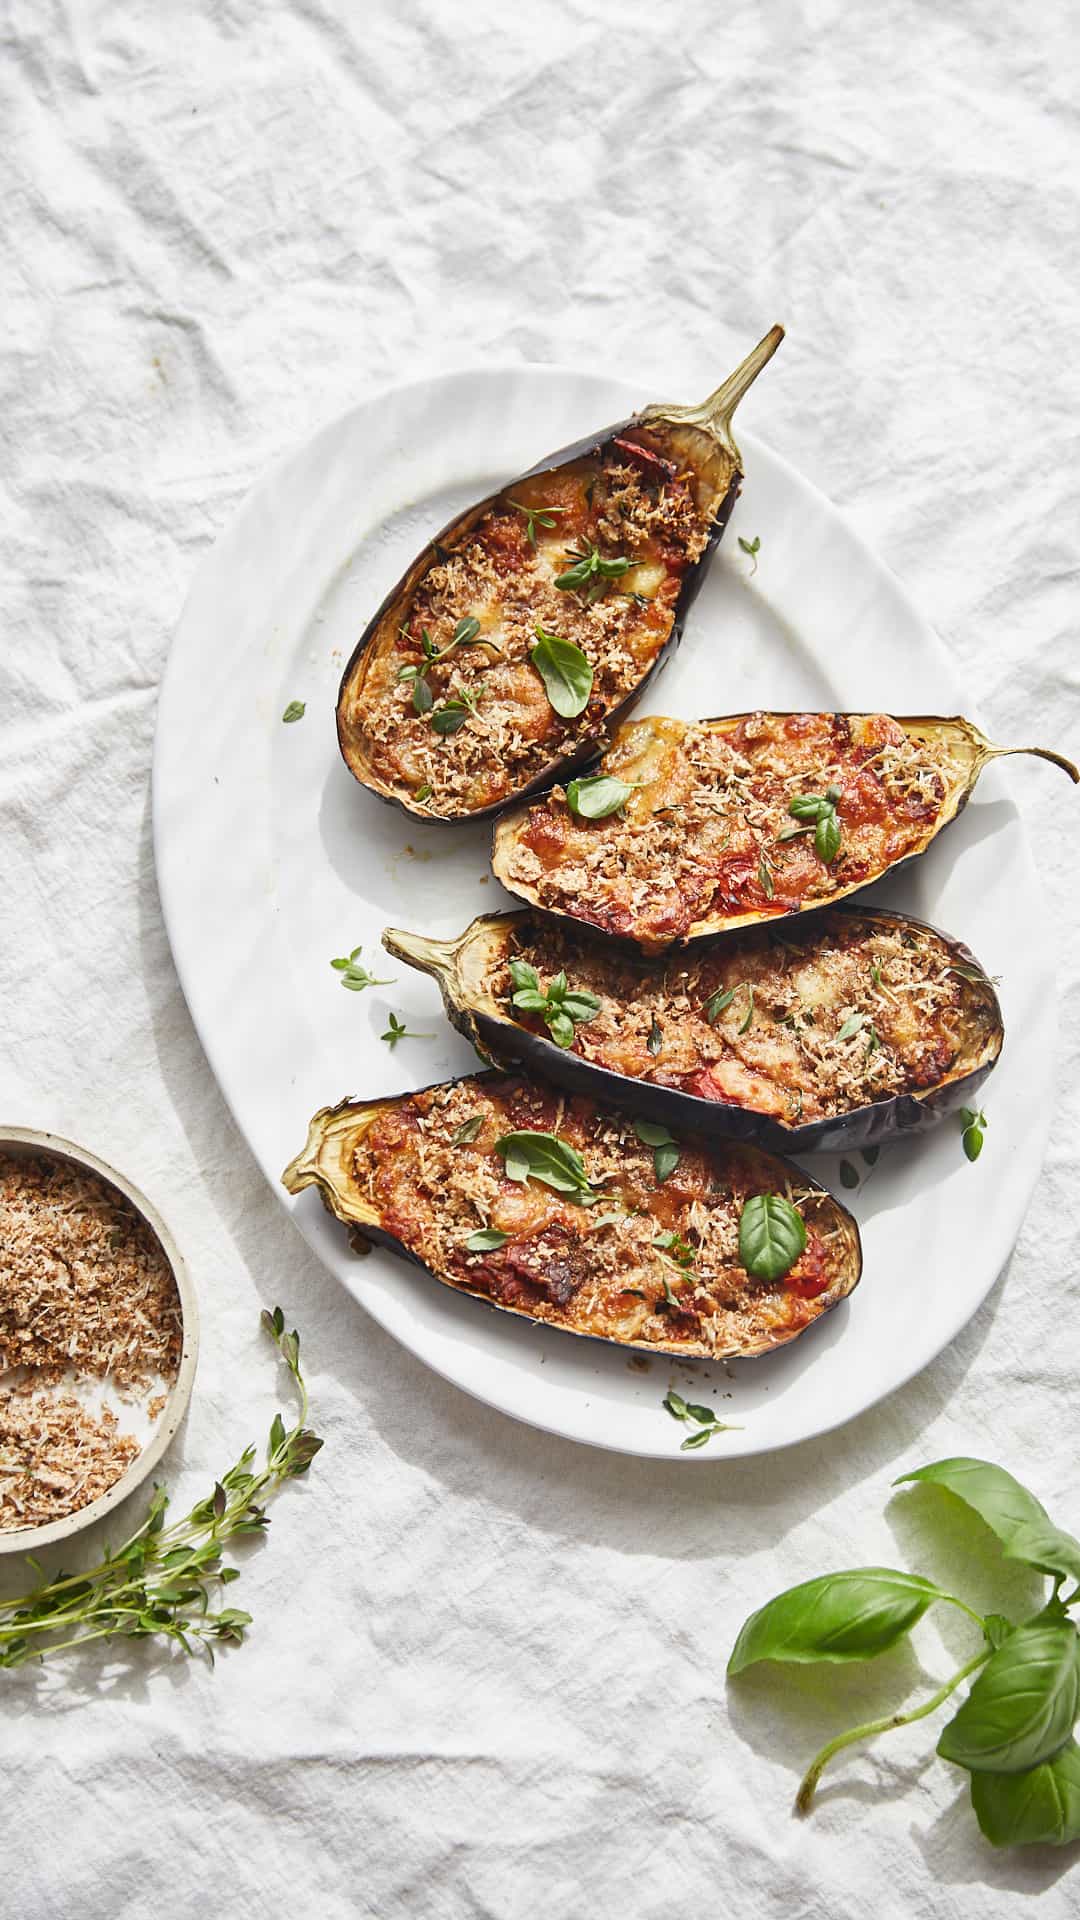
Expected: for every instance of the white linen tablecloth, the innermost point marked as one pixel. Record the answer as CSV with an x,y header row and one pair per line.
x,y
486,1676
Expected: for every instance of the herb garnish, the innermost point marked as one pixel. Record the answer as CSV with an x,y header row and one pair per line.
x,y
536,516
682,1251
397,1030
488,1240
544,1157
765,879
591,571
562,1008
753,548
666,1151
656,1037
715,1004
703,1417
465,634
354,974
1014,1732
565,672
973,1124
162,1581
772,1236
820,809
464,1135
423,792
745,1024
295,710
598,796
854,1024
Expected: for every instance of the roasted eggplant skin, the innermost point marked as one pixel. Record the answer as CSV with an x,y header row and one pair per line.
x,y
479,1018
715,416
634,756
325,1162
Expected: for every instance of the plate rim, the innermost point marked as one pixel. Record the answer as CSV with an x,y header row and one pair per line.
x,y
270,477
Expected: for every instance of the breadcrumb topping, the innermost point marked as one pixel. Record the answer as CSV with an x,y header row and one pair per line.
x,y
707,831
845,1012
86,1295
651,1262
503,577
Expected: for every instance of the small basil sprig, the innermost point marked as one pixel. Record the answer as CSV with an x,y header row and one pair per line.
x,y
666,1151
562,1007
598,796
772,1236
591,571
465,634
565,672
1013,1733
536,516
819,810
972,1137
544,1157
703,1418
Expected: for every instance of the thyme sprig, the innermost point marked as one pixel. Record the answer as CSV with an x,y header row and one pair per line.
x,y
536,516
163,1581
590,572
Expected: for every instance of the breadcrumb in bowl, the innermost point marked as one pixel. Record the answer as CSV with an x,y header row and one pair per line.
x,y
98,1338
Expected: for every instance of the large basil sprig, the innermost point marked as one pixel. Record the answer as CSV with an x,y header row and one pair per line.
x,y
1014,1732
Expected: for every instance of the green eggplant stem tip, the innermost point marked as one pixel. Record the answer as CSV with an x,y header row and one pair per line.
x,y
715,414
1041,753
431,956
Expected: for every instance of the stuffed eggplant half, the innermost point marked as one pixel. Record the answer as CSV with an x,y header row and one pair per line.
x,y
531,624
695,828
576,1216
847,1029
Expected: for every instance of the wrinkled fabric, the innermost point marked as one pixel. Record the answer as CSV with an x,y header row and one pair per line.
x,y
486,1675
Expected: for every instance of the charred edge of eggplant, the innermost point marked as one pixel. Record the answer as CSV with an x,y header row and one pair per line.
x,y
844,1288
447,539
899,1116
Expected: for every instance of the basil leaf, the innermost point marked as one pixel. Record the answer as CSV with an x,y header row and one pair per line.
x,y
581,1007
546,1158
676,1405
703,1415
529,1000
716,1003
1020,1522
765,879
295,710
771,1236
808,806
998,1629
565,672
972,1142
421,695
596,798
665,1160
467,1131
523,975
700,1439
854,1023
656,1037
451,718
561,1028
1023,1706
827,837
854,1615
465,632
1040,1807
652,1135
488,1240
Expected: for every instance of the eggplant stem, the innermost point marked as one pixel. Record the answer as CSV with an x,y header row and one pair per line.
x,y
715,414
430,956
1041,753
